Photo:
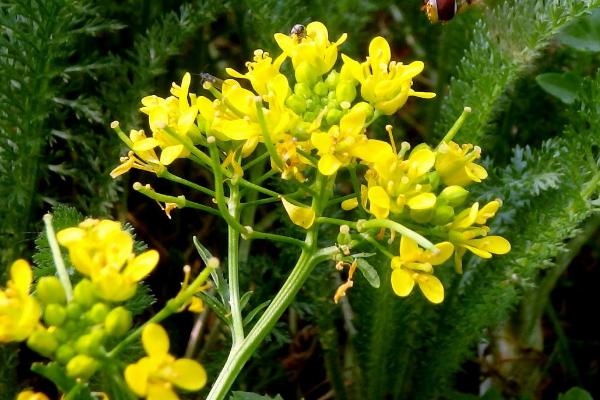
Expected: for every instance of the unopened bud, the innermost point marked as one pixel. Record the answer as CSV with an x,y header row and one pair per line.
x,y
55,314
296,103
90,344
333,116
82,366
332,79
305,73
442,215
365,108
64,353
74,310
321,89
42,342
84,293
343,238
213,263
345,91
453,195
422,216
98,313
49,290
118,321
302,90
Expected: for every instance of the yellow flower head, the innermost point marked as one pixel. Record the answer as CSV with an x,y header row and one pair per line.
x,y
261,71
177,113
103,251
416,265
465,235
456,165
395,182
312,54
143,157
154,376
346,141
385,84
19,312
31,395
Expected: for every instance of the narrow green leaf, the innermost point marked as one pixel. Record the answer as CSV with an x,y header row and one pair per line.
x,y
369,272
245,299
216,274
252,314
562,86
215,305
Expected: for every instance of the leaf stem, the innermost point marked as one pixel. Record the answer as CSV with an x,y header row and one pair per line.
x,y
61,270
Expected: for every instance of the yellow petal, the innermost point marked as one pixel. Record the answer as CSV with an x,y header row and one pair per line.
x,y
188,374
354,122
431,287
136,376
402,282
196,305
142,265
379,51
301,216
145,144
161,391
446,249
488,211
409,249
350,204
379,201
372,150
329,164
232,72
155,340
20,275
170,154
285,43
423,201
493,244
421,160
423,95
70,235
476,172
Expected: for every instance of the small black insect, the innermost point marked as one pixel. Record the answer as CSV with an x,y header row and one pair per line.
x,y
298,32
213,80
444,10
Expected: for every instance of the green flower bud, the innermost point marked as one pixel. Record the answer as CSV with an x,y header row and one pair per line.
x,y
43,342
344,237
296,103
454,195
310,116
434,179
345,91
74,310
305,73
82,366
84,293
442,215
91,343
332,79
422,216
366,108
333,116
55,314
98,313
321,89
49,290
302,90
61,335
118,321
64,353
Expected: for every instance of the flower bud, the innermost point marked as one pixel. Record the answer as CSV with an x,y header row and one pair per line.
x,y
89,344
305,73
333,116
84,293
344,237
332,79
118,322
321,89
55,314
64,353
302,90
345,91
442,215
82,366
49,290
74,310
365,108
42,342
296,103
422,216
98,313
453,195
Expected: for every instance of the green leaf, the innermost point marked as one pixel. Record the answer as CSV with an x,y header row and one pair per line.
x,y
575,394
583,34
562,86
215,305
245,299
369,272
252,396
252,314
216,274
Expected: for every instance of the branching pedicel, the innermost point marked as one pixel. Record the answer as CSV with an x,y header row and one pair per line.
x,y
306,130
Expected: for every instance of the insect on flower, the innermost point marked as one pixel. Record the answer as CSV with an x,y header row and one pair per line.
x,y
213,80
444,10
298,32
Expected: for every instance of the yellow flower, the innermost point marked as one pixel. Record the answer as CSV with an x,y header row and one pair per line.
x,y
104,252
154,376
176,112
293,162
395,182
312,55
19,312
385,84
456,166
143,157
343,142
261,71
416,265
31,395
466,236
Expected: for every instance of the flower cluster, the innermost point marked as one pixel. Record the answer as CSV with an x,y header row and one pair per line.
x,y
312,124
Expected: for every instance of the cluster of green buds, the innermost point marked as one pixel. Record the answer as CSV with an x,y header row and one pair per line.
x,y
309,128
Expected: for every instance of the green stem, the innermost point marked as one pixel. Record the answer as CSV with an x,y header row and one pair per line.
x,y
457,124
61,270
266,135
171,307
180,201
233,244
174,178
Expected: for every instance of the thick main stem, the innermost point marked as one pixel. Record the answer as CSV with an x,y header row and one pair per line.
x,y
233,244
